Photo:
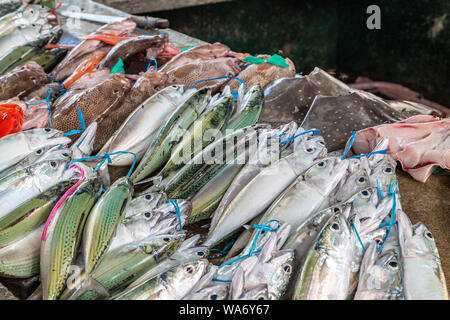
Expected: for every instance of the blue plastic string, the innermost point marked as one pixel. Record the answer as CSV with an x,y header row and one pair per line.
x,y
177,211
380,189
359,238
392,191
225,250
314,132
235,95
352,140
150,63
82,124
219,280
385,224
218,78
49,105
106,157
264,227
143,31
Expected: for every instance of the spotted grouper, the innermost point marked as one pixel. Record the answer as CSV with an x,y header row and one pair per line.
x,y
146,85
189,73
95,103
22,80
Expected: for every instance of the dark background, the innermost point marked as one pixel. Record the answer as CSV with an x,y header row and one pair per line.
x,y
412,48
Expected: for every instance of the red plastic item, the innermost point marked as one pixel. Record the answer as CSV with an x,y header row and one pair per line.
x,y
86,67
11,119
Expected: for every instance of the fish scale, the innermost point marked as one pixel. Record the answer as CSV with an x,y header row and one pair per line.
x,y
64,236
103,221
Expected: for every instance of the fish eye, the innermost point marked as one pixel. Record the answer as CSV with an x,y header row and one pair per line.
x,y
287,268
189,269
148,197
147,214
336,209
335,226
166,239
387,170
65,154
47,129
309,150
393,264
33,79
200,253
321,143
365,193
39,151
155,87
428,235
53,164
116,90
321,164
214,297
261,298
361,180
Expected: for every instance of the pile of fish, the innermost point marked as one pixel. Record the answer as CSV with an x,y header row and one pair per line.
x,y
129,166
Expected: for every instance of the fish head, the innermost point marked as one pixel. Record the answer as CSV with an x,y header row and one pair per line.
x,y
383,172
48,172
326,173
239,291
115,87
279,272
173,92
254,96
364,203
46,137
168,243
357,179
85,143
189,274
336,234
218,291
424,240
307,151
57,153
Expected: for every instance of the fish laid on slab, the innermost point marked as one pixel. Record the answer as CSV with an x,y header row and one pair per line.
x,y
423,275
419,143
138,131
90,48
22,80
145,86
94,103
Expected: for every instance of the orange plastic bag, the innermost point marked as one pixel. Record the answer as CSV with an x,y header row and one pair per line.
x,y
11,119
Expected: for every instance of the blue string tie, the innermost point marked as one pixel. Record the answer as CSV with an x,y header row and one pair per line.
x,y
359,238
106,157
82,123
392,192
380,189
177,211
314,132
150,64
352,140
227,248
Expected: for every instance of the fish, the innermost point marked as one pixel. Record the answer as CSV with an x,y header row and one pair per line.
x,y
123,265
145,86
89,48
153,45
187,252
83,147
423,277
239,292
381,275
138,131
94,103
207,289
170,133
189,73
22,54
22,80
419,143
202,52
47,59
25,184
264,188
326,271
263,74
200,135
206,200
20,259
16,147
103,220
289,99
86,67
171,285
31,214
62,240
251,107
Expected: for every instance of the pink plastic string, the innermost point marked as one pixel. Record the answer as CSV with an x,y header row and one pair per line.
x,y
61,201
